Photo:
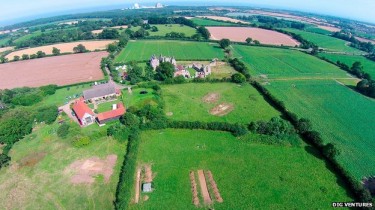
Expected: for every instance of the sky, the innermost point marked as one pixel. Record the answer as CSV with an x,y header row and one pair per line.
x,y
352,9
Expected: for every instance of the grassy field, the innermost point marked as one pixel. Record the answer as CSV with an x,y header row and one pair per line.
x,y
164,29
368,65
208,22
186,102
283,63
248,175
136,99
327,42
105,107
143,50
4,41
37,177
28,36
64,95
342,115
314,29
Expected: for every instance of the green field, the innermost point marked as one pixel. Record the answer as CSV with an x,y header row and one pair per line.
x,y
143,50
342,115
284,63
248,175
43,183
136,99
28,36
208,22
186,102
314,29
368,65
107,106
164,29
327,42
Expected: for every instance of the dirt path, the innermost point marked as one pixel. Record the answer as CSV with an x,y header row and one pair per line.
x,y
137,185
204,190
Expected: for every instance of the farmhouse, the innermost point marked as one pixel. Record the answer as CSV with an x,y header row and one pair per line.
x,y
155,61
181,71
115,114
101,92
84,114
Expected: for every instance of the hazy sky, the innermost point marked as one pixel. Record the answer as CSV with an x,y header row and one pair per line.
x,y
354,9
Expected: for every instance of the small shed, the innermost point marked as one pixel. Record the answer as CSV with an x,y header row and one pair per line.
x,y
146,187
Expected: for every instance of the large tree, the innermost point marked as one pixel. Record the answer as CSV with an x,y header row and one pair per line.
x,y
164,71
55,51
204,32
224,43
79,49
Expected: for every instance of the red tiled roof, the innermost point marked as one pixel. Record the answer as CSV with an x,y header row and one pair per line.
x,y
112,114
180,67
81,108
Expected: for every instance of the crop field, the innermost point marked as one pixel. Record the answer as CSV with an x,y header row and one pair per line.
x,y
343,117
368,65
248,175
208,22
60,70
187,102
221,18
318,30
41,174
168,28
63,47
327,42
143,50
282,63
240,34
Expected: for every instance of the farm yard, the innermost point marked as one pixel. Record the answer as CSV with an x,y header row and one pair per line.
x,y
270,176
143,50
61,70
240,34
368,65
326,42
342,115
209,22
194,102
64,48
285,64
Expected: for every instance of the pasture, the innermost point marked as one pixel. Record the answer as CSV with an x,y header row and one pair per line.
x,y
209,22
326,42
240,34
368,65
187,102
340,114
168,28
285,64
226,19
39,176
248,175
317,30
181,50
60,70
63,47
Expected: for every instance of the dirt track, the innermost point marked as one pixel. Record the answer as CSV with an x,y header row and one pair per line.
x,y
204,190
59,70
137,185
240,34
64,47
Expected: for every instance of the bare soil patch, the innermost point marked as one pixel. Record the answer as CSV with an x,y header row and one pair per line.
x,y
59,70
64,48
32,159
211,98
214,187
240,34
194,190
148,173
222,109
3,49
137,185
204,189
223,19
169,114
84,171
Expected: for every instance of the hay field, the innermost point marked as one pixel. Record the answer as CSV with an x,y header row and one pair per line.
x,y
143,50
59,70
248,175
286,64
186,102
64,48
340,114
240,34
223,19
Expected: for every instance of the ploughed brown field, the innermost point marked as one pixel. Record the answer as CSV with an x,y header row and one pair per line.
x,y
3,49
240,34
223,19
59,70
64,48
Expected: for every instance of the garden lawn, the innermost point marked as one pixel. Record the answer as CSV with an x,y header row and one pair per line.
x,y
46,185
287,64
368,65
340,114
208,22
181,50
65,94
248,175
107,106
325,41
186,103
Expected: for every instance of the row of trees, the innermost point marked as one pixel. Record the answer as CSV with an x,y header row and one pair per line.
x,y
271,22
365,46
